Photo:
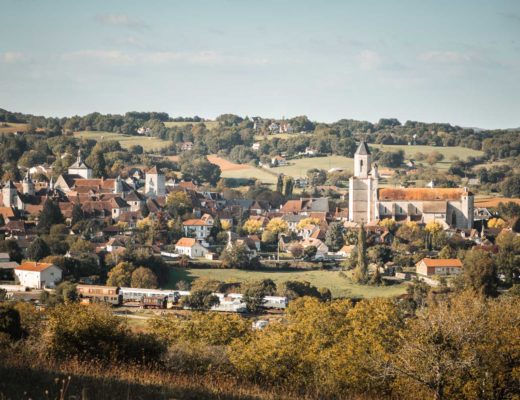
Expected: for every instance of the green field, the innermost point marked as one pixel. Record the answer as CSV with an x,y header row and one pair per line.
x,y
299,167
11,127
209,124
148,143
339,286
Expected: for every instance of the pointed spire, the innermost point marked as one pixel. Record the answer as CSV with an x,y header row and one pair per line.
x,y
79,157
363,148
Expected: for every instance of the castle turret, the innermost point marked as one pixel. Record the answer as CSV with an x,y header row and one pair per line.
x,y
28,185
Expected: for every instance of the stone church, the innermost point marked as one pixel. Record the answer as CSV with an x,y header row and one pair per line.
x,y
368,203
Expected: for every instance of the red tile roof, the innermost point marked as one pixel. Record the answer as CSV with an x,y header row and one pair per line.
x,y
423,194
33,266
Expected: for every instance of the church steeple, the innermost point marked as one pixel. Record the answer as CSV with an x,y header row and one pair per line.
x,y
362,161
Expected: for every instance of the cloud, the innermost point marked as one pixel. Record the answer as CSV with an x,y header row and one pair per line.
x,y
207,57
104,56
368,60
12,57
121,20
452,57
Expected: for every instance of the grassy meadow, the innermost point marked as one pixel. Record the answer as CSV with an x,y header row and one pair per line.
x,y
209,124
12,127
340,286
148,143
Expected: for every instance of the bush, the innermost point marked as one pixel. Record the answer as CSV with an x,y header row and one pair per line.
x,y
93,332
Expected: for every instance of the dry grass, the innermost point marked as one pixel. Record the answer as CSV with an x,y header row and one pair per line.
x,y
494,201
92,380
226,165
13,127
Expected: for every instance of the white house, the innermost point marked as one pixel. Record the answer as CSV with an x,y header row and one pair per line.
x,y
200,228
38,275
80,168
190,247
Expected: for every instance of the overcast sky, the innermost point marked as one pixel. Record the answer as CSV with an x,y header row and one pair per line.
x,y
436,61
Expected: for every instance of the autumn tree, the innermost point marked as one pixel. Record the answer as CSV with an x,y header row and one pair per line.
x,y
121,274
143,278
277,226
252,226
480,272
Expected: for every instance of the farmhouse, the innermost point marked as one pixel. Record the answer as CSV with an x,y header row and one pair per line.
x,y
37,275
369,203
190,247
200,228
443,266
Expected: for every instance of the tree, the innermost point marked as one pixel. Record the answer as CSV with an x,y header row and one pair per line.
x,y
288,185
268,237
434,157
50,215
66,292
77,214
143,278
334,237
279,183
277,226
178,203
310,252
480,273
121,274
511,186
360,274
496,223
10,323
254,297
252,226
11,247
235,256
200,300
38,249
97,163
379,254
307,221
508,257
296,249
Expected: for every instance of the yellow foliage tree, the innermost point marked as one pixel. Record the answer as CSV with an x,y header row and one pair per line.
x,y
307,221
252,226
433,227
277,226
226,225
498,223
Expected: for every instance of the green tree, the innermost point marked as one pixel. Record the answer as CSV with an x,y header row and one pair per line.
x,y
480,272
279,183
235,256
97,162
77,214
288,185
50,215
361,272
38,249
334,238
200,300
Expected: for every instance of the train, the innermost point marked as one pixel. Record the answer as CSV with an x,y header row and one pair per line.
x,y
160,299
99,294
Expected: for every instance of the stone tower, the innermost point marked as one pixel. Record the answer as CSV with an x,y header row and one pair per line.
x,y
10,194
118,185
28,185
155,184
363,187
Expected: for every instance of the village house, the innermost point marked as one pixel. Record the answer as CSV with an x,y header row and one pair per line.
x,y
278,161
190,247
199,228
186,146
442,266
36,275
